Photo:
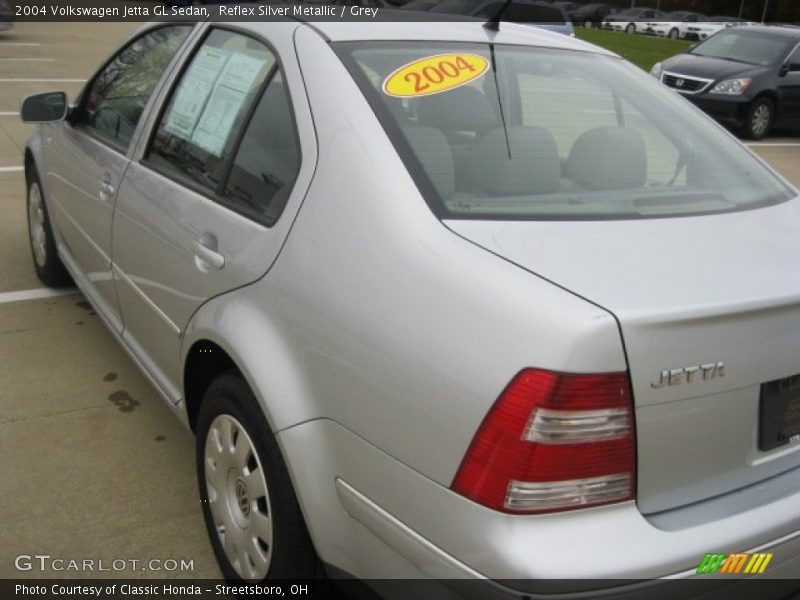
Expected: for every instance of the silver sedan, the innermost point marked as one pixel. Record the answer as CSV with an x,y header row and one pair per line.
x,y
438,301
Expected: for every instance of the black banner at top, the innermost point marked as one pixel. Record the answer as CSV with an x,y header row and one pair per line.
x,y
770,11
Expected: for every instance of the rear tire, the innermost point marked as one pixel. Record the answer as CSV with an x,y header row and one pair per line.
x,y
49,268
674,34
631,28
759,120
252,515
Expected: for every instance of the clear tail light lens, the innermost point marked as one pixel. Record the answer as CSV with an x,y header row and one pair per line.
x,y
553,442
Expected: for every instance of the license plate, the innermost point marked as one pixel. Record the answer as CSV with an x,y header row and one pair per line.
x,y
779,420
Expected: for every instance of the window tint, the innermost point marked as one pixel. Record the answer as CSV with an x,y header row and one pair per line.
x,y
199,129
113,104
267,160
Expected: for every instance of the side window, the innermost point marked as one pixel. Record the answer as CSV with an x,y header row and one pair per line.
x,y
268,159
794,61
198,131
114,102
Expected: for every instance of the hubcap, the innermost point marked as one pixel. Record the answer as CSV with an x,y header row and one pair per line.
x,y
761,118
238,498
36,224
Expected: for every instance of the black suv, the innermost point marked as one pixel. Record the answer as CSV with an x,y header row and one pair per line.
x,y
747,78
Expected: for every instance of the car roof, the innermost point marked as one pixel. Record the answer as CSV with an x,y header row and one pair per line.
x,y
398,25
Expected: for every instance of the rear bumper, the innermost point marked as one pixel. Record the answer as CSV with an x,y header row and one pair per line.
x,y
376,518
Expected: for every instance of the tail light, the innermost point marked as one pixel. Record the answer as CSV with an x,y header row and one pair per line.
x,y
553,442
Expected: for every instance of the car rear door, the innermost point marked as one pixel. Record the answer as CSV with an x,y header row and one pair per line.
x,y
87,155
208,202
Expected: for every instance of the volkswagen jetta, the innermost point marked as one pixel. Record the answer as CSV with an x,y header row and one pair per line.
x,y
437,301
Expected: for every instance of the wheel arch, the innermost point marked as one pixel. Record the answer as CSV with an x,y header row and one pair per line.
x,y
231,333
773,96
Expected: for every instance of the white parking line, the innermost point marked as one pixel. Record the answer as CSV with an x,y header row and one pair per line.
x,y
9,113
37,294
42,80
28,44
11,169
774,145
25,58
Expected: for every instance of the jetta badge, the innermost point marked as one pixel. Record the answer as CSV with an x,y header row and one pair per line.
x,y
680,82
690,374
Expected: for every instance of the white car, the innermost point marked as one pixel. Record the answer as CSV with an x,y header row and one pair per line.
x,y
675,24
703,30
630,20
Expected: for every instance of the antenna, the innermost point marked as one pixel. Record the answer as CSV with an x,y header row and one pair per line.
x,y
494,23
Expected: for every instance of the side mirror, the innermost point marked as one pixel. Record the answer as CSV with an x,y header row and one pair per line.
x,y
44,108
784,70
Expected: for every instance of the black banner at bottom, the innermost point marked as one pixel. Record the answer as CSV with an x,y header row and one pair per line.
x,y
432,589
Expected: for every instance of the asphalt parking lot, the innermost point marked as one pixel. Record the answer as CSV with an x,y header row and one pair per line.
x,y
92,465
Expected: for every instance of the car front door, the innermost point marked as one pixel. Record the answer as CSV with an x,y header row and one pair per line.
x,y
789,89
87,156
206,205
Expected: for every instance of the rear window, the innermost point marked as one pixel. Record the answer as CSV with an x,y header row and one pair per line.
x,y
512,132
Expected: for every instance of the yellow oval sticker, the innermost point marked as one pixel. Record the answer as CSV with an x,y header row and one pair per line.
x,y
434,74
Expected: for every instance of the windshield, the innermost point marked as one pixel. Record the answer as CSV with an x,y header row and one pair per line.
x,y
515,132
744,46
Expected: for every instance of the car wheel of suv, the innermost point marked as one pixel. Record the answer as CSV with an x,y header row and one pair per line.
x,y
49,268
631,28
588,24
253,519
674,34
758,122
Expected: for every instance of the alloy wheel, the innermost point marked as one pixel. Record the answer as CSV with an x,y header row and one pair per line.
x,y
36,224
761,118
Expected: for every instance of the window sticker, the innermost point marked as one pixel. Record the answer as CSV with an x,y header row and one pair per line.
x,y
231,92
193,92
434,74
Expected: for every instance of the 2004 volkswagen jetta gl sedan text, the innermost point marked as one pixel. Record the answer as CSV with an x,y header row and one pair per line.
x,y
437,301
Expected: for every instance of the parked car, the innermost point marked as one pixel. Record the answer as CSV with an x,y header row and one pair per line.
x,y
529,12
591,15
567,7
745,77
673,25
412,287
700,31
631,20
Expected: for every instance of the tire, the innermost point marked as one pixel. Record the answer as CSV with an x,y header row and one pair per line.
x,y
588,24
759,120
246,492
631,28
674,34
49,268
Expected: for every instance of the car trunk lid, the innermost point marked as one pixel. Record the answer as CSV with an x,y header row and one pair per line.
x,y
712,300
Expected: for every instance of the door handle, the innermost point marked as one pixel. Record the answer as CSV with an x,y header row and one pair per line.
x,y
106,188
205,251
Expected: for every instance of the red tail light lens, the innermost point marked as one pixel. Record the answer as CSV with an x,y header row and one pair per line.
x,y
552,442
